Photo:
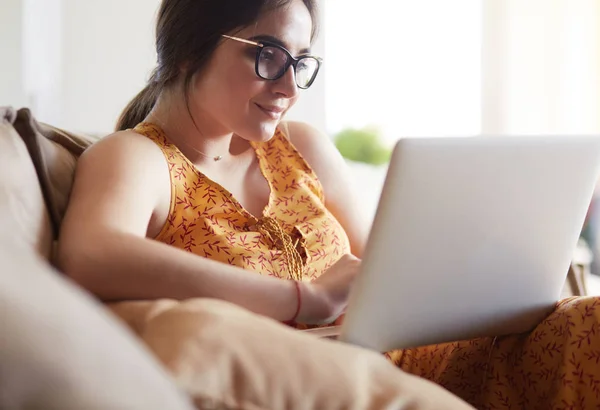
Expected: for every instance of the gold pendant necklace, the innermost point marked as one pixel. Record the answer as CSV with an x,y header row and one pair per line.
x,y
215,158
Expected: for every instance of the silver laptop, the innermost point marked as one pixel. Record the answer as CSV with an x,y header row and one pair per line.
x,y
472,237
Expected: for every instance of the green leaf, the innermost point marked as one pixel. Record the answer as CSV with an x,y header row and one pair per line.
x,y
362,145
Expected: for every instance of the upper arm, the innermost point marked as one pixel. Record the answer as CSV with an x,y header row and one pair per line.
x,y
332,170
117,186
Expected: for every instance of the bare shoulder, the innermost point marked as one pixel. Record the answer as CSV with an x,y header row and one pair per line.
x,y
123,161
123,157
303,135
119,145
121,179
315,146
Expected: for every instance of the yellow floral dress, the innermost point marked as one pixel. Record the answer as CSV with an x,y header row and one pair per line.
x,y
296,236
556,366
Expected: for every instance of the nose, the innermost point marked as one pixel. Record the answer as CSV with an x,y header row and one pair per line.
x,y
286,84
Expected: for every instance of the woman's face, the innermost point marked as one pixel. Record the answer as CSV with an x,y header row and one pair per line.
x,y
229,95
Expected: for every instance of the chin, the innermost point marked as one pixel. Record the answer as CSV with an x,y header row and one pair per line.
x,y
261,132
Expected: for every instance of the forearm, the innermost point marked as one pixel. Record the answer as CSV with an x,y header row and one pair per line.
x,y
124,267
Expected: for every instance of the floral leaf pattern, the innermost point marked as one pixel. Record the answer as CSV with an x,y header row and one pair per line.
x,y
207,220
556,366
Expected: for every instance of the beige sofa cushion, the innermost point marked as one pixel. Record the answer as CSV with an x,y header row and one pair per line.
x,y
22,206
226,357
61,350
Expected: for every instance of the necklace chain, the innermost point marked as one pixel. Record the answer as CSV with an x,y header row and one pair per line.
x,y
214,158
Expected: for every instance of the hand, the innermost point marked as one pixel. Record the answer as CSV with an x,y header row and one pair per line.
x,y
326,298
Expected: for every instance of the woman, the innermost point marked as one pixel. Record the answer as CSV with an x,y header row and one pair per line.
x,y
208,99
204,185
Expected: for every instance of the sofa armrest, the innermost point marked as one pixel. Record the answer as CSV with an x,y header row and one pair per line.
x,y
59,349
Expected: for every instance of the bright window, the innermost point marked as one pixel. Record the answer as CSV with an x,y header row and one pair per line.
x,y
411,68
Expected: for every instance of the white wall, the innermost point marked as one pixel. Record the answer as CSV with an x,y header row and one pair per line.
x,y
75,63
108,56
311,104
43,58
411,67
12,91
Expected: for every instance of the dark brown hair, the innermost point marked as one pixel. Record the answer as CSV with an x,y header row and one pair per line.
x,y
188,32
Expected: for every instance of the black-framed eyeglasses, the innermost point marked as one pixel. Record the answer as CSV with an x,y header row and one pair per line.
x,y
272,61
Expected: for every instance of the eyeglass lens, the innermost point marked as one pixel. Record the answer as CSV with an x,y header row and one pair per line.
x,y
273,62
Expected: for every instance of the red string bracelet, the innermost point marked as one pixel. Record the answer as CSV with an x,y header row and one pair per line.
x,y
292,321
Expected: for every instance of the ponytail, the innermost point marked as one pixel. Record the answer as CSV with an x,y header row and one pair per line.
x,y
139,107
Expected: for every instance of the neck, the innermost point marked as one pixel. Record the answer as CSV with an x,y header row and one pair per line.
x,y
200,139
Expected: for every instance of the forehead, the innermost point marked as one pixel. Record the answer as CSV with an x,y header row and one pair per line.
x,y
291,24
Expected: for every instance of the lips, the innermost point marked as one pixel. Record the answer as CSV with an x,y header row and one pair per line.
x,y
272,111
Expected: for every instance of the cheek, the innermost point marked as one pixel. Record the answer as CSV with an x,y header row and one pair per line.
x,y
225,90
292,102
237,83
243,85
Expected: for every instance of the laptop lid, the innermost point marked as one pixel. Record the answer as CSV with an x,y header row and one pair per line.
x,y
472,237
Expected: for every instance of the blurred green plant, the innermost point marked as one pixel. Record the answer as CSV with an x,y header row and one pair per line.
x,y
362,145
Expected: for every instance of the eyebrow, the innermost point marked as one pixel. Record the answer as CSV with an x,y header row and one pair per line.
x,y
275,40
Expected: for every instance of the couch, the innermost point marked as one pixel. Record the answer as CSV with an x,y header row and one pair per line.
x,y
60,348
